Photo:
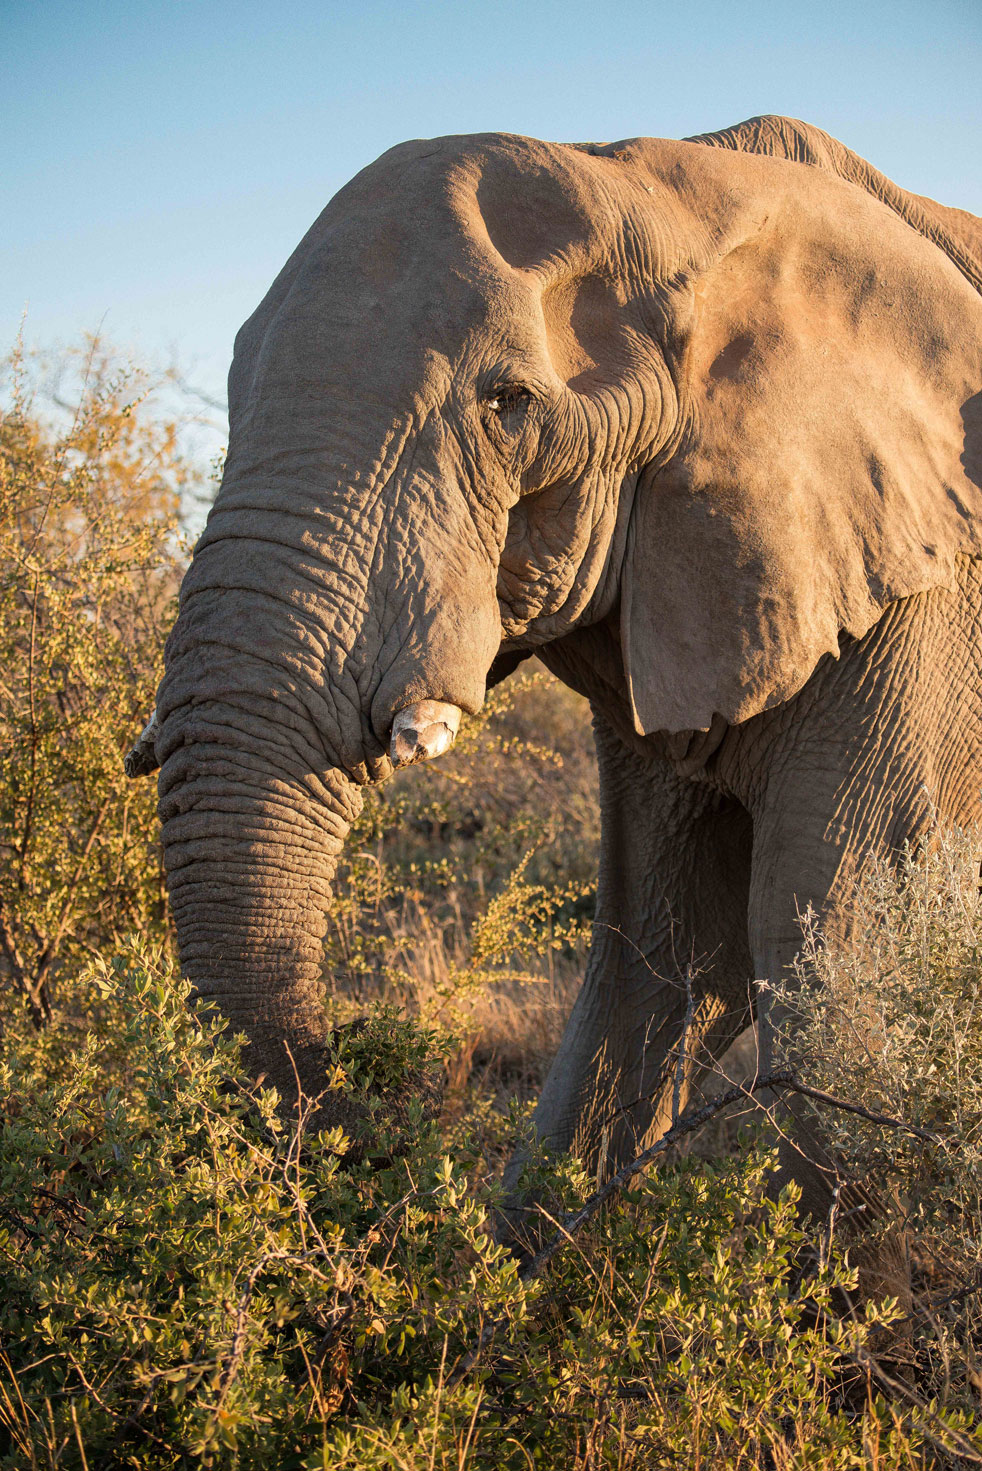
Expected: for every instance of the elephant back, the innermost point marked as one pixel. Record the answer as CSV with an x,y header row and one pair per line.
x,y
955,231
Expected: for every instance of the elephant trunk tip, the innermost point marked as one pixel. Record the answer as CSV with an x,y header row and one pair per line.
x,y
423,731
141,759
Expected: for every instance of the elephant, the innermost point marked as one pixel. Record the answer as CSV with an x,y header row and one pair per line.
x,y
697,422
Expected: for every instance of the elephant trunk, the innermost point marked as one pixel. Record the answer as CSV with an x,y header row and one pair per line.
x,y
276,709
251,853
332,624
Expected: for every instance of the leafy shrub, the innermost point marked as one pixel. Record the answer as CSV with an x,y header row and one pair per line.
x,y
890,1017
89,565
181,1283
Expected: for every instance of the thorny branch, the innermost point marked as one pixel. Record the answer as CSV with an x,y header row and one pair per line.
x,y
690,1007
688,1124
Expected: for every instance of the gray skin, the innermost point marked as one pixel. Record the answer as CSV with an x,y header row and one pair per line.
x,y
699,423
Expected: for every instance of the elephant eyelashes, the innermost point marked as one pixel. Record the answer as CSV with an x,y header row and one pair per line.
x,y
511,396
509,406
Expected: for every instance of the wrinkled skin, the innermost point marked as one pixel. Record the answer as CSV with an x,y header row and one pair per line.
x,y
697,421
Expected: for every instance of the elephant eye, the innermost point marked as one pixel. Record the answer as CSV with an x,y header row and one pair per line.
x,y
509,404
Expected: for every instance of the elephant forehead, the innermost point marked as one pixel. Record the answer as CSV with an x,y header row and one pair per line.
x,y
444,234
401,349
490,196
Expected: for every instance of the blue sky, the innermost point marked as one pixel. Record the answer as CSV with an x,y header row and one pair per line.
x,y
161,160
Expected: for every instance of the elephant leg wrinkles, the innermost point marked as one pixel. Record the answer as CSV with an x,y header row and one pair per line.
x,y
667,986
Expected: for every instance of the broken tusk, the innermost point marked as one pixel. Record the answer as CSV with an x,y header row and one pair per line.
x,y
422,731
141,759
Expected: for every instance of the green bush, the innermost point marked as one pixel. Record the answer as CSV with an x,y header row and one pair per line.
x,y
181,1283
89,566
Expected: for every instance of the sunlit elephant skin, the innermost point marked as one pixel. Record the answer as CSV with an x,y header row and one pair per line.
x,y
698,421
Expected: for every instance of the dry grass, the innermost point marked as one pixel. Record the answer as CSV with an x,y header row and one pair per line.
x,y
509,819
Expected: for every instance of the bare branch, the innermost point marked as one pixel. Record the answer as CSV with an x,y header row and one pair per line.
x,y
690,1007
50,952
32,787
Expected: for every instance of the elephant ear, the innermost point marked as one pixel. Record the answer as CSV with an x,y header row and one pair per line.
x,y
832,462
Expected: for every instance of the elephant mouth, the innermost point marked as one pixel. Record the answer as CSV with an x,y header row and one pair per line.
x,y
420,732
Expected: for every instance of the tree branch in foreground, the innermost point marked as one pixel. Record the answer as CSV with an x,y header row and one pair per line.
x,y
576,1220
688,1124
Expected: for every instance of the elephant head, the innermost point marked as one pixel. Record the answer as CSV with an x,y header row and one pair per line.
x,y
504,389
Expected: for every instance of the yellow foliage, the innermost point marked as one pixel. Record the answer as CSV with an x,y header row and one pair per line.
x,y
90,559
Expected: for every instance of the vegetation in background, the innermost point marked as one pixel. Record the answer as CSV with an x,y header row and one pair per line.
x,y
90,562
465,892
184,1283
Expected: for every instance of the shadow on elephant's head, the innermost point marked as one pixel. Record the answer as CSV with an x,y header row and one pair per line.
x,y
972,452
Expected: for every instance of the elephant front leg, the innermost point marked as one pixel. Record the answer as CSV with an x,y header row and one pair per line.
x,y
668,982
